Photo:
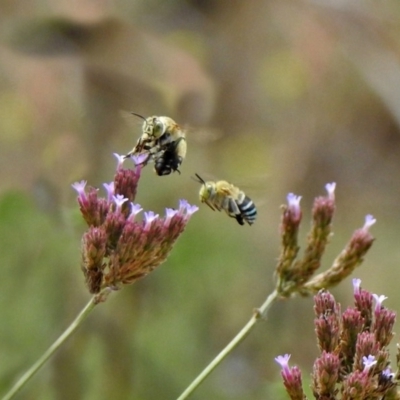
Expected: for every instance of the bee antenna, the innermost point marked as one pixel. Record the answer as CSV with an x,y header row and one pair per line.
x,y
199,179
138,115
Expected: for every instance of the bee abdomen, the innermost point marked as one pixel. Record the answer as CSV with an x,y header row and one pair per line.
x,y
248,210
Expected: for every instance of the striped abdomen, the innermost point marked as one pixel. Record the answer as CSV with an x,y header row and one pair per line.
x,y
248,210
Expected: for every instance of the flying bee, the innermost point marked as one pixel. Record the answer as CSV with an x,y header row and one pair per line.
x,y
222,195
165,142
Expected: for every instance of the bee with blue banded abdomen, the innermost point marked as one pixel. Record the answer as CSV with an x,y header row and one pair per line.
x,y
222,195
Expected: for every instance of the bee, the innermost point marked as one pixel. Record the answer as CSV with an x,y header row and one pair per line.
x,y
222,195
165,142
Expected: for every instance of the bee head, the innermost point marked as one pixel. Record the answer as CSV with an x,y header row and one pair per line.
x,y
205,189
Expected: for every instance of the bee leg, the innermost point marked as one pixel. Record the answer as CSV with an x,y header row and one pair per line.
x,y
209,205
239,219
233,210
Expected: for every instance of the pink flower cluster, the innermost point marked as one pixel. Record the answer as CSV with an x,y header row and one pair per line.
x,y
118,248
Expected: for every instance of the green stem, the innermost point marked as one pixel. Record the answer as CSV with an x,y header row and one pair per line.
x,y
259,313
52,349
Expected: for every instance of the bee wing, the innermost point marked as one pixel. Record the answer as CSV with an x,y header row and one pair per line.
x,y
233,206
203,135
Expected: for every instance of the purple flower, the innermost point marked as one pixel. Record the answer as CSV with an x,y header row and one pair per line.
x,y
388,374
120,160
80,188
183,204
369,362
149,217
186,208
283,361
294,204
110,191
379,300
356,286
369,221
135,209
330,188
140,159
119,200
169,213
190,210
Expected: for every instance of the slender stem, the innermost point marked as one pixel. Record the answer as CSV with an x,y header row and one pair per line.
x,y
259,313
51,350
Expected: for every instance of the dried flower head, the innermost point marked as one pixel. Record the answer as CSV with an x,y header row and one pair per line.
x,y
117,248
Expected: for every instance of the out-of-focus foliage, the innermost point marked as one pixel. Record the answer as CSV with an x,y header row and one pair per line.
x,y
278,96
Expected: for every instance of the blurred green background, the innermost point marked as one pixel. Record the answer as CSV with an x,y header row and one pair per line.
x,y
277,96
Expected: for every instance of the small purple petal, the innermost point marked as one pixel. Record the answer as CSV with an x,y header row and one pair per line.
x,y
379,300
330,188
135,209
110,190
80,187
139,159
119,200
293,200
283,361
191,209
369,362
183,205
149,217
169,214
120,160
388,374
356,285
369,221
294,204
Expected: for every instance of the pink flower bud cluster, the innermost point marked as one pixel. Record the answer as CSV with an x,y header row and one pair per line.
x,y
118,248
295,274
354,360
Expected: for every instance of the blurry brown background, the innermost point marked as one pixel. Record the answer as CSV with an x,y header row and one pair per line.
x,y
278,96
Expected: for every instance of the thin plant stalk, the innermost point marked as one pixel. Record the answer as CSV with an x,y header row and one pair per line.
x,y
258,314
52,349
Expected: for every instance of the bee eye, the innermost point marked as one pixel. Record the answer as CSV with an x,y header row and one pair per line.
x,y
158,128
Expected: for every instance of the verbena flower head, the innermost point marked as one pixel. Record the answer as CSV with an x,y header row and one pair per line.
x,y
354,360
293,274
119,247
297,275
